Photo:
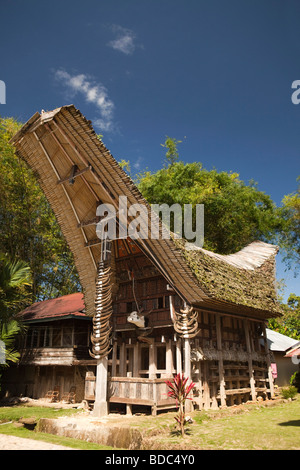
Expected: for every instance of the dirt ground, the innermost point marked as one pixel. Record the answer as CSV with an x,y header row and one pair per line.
x,y
19,443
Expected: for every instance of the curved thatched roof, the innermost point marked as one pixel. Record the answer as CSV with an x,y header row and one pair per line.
x,y
52,143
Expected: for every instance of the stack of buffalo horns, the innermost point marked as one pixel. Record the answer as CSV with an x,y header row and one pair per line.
x,y
101,336
185,323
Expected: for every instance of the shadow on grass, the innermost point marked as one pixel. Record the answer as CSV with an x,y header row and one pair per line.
x,y
295,422
177,432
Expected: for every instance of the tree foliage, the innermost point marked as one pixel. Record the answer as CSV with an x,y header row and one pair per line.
x,y
235,213
15,281
290,237
8,333
289,323
172,154
29,231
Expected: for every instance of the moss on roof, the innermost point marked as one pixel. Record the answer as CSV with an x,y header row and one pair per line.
x,y
254,288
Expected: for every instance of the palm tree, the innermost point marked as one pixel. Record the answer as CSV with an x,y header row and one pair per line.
x,y
8,333
15,278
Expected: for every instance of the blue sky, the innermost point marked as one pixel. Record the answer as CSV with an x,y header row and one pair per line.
x,y
216,74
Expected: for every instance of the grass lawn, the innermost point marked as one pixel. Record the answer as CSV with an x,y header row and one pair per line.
x,y
249,427
14,413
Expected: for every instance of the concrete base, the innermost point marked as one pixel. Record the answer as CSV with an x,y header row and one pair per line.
x,y
120,436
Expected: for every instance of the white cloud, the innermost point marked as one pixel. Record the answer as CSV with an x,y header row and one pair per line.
x,y
137,164
94,93
124,41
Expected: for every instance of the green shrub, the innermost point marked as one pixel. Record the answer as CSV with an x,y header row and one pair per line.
x,y
289,392
295,380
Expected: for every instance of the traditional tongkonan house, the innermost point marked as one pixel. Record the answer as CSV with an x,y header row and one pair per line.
x,y
160,306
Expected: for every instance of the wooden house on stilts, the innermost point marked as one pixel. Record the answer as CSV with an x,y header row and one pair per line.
x,y
160,306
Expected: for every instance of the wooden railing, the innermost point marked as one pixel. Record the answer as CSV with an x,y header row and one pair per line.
x,y
140,391
133,391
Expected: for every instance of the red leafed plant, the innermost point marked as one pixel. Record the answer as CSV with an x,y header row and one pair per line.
x,y
179,390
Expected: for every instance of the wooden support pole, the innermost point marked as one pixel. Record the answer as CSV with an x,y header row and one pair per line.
x,y
100,404
270,375
178,356
206,393
169,359
250,365
198,378
187,371
136,359
122,360
200,385
220,361
114,359
187,358
152,361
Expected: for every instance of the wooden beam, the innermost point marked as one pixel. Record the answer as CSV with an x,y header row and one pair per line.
x,y
74,173
86,223
93,242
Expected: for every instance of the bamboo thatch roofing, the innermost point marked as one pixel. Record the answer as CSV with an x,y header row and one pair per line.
x,y
53,142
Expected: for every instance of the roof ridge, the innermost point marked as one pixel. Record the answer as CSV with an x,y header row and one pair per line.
x,y
251,257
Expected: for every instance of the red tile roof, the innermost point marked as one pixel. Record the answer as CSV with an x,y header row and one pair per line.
x,y
66,305
294,352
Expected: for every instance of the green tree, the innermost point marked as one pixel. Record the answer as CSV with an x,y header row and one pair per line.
x,y
8,333
290,236
289,323
235,213
172,154
15,281
29,230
